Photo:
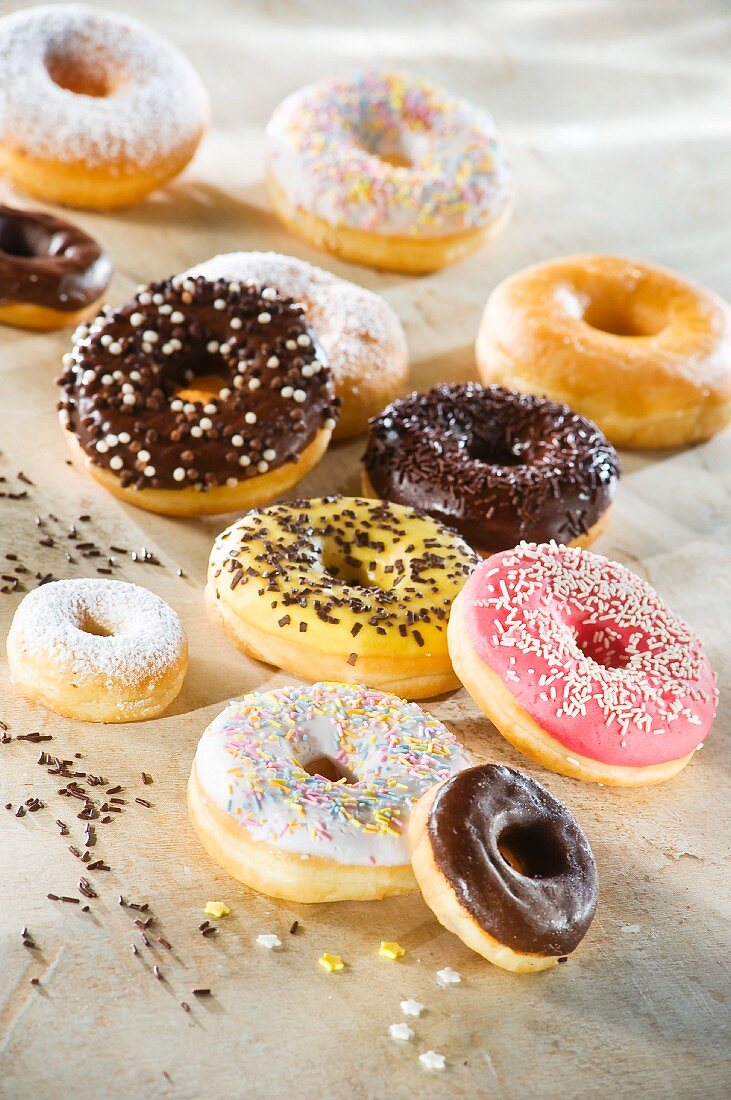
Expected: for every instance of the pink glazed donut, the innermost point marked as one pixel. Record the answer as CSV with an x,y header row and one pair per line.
x,y
581,665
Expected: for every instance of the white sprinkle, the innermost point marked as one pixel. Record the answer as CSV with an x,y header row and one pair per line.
x,y
209,409
150,336
269,454
431,1060
167,349
124,437
179,473
176,405
231,482
105,340
447,976
269,294
269,941
157,299
330,423
196,431
236,322
212,346
112,440
220,303
254,383
67,359
115,348
262,466
244,460
237,440
102,447
128,398
144,299
303,340
149,471
411,1008
136,319
401,1032
88,377
206,423
291,345
250,418
107,380
177,317
264,318
224,393
272,362
165,310
143,456
225,349
115,462
299,396
287,391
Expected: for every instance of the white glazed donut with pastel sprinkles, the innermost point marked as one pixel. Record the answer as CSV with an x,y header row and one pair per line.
x,y
304,793
388,169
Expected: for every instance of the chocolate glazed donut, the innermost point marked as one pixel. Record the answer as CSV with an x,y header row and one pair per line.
x,y
498,466
516,858
49,263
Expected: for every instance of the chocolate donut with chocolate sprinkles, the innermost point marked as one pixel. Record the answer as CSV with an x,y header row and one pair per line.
x,y
51,272
498,466
198,396
505,866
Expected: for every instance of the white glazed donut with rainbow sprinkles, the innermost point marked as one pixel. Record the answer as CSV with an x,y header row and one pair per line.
x,y
387,169
304,793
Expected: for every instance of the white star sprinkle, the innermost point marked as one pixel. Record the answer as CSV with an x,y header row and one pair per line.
x,y
431,1060
400,1032
447,976
411,1008
269,941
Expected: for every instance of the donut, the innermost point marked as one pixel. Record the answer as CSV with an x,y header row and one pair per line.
x,y
498,466
360,335
581,665
342,587
51,273
97,650
642,351
505,866
198,397
385,168
96,110
304,793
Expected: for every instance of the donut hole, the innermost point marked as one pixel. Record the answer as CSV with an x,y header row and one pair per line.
x,y
326,768
80,75
392,150
602,647
531,851
630,317
201,388
90,625
15,240
495,452
351,571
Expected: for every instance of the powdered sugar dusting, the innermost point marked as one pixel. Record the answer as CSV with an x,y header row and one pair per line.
x,y
359,332
54,622
155,102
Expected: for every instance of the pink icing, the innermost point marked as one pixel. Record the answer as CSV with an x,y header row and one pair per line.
x,y
592,653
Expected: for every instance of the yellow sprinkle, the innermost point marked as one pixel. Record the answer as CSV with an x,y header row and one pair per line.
x,y
331,962
391,950
216,909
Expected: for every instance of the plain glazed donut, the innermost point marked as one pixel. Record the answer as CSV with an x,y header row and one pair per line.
x,y
198,397
51,273
362,338
497,466
505,866
96,110
342,587
642,351
387,169
97,650
581,665
304,793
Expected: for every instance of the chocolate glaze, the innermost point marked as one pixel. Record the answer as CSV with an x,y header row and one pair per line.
x,y
120,386
48,262
546,908
496,465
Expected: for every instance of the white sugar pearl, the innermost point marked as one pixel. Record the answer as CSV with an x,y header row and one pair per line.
x,y
106,340
269,454
177,317
179,473
254,383
175,344
124,437
165,310
212,346
330,423
287,391
196,431
209,409
115,463
251,282
136,320
107,380
303,340
135,375
224,393
167,349
157,299
127,387
244,460
299,396
272,361
291,345
236,322
234,287
143,456
262,467
225,349
264,318
117,375
112,441
146,348
206,423
102,447
149,471
68,359
307,370
231,482
88,377
176,405
237,440
189,285
268,293
189,407
220,303
144,299
238,382
150,336
250,418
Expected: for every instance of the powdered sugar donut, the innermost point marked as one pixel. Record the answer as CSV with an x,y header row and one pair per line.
x,y
98,650
95,109
361,336
305,793
386,168
581,665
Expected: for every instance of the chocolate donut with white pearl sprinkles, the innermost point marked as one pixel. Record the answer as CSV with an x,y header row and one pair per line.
x,y
498,466
198,397
505,866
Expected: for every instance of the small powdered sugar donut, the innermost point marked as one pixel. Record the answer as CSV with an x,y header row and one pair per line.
x,y
360,334
95,109
581,665
305,793
98,650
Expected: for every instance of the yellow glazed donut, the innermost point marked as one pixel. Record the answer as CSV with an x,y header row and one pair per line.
x,y
505,866
361,337
304,793
95,109
387,169
639,349
342,587
97,650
